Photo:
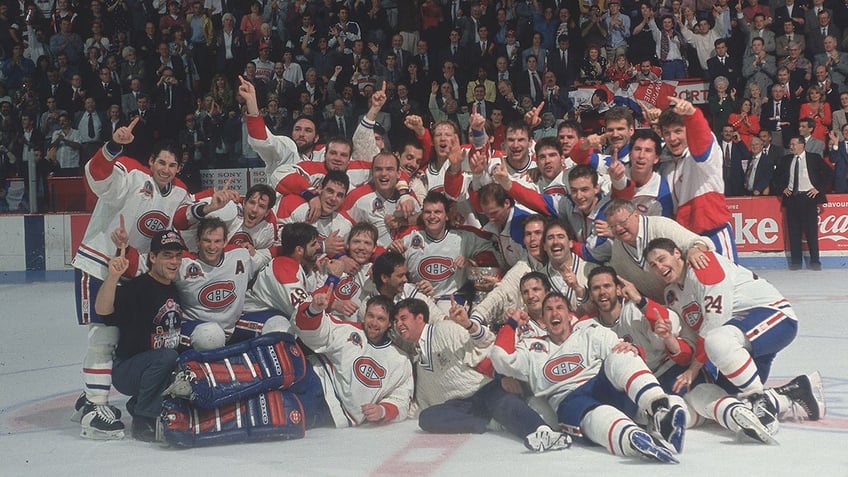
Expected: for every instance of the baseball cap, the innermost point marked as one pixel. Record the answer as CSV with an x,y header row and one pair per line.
x,y
167,240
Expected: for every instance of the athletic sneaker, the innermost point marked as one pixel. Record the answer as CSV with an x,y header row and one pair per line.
x,y
144,428
100,423
645,445
669,424
750,425
807,392
544,439
765,410
81,403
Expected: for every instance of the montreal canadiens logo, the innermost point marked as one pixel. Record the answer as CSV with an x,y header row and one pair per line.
x,y
369,372
218,294
436,268
347,288
152,222
692,315
241,238
563,368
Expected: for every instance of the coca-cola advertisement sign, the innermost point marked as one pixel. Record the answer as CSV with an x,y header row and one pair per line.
x,y
759,224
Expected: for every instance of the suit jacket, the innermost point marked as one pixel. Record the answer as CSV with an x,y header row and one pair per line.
x,y
811,20
176,65
729,70
839,158
781,44
734,174
238,48
818,171
762,75
815,146
788,113
105,132
815,39
331,127
566,74
838,71
128,103
65,99
488,105
522,86
762,176
105,97
781,15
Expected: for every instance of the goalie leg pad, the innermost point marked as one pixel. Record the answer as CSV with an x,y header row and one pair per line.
x,y
265,416
226,375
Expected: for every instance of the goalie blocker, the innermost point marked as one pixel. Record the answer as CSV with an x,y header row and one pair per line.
x,y
259,389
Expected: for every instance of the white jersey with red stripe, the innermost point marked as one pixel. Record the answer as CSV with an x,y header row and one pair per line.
x,y
282,285
124,188
354,371
261,236
696,178
711,296
364,204
553,371
294,208
433,259
556,187
351,287
581,269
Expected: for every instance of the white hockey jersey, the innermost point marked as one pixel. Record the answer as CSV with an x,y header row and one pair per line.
x,y
281,285
552,370
364,204
124,188
354,371
432,259
261,236
294,208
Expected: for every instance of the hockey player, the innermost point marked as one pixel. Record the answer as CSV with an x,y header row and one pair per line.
x,y
582,207
333,226
595,383
455,388
351,292
147,199
651,192
692,164
147,312
612,167
632,230
741,320
566,271
390,278
289,280
379,202
505,222
249,222
356,377
442,255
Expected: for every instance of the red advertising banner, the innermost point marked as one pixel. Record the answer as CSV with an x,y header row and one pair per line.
x,y
758,223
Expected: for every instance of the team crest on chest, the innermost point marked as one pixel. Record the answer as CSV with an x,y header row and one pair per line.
x,y
241,238
218,294
193,271
347,288
369,372
691,314
355,339
377,205
151,222
436,268
563,368
417,242
538,345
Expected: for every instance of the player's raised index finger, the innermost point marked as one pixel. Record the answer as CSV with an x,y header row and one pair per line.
x,y
539,108
133,123
474,108
121,219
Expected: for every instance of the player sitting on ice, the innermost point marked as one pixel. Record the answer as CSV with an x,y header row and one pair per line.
x,y
265,389
742,322
455,385
594,382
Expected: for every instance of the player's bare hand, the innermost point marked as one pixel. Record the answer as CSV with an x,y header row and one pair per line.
x,y
684,381
625,347
629,290
458,314
454,152
335,267
532,118
649,112
248,92
124,135
251,249
118,265
602,229
398,246
477,161
351,266
221,197
320,301
697,259
345,307
570,279
120,237
314,212
425,287
681,106
616,169
501,176
373,412
334,244
512,386
477,122
812,193
406,205
594,141
378,98
414,123
662,327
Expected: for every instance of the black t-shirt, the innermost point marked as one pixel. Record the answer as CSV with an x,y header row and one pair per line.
x,y
148,314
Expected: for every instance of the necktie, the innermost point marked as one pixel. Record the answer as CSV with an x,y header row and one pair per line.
x,y
483,47
481,108
824,31
795,173
342,127
90,126
399,57
665,46
726,154
750,171
453,49
534,85
721,58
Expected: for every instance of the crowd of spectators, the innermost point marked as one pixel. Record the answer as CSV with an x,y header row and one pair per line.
x,y
71,72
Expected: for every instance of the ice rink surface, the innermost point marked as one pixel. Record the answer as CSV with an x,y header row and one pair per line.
x,y
41,350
